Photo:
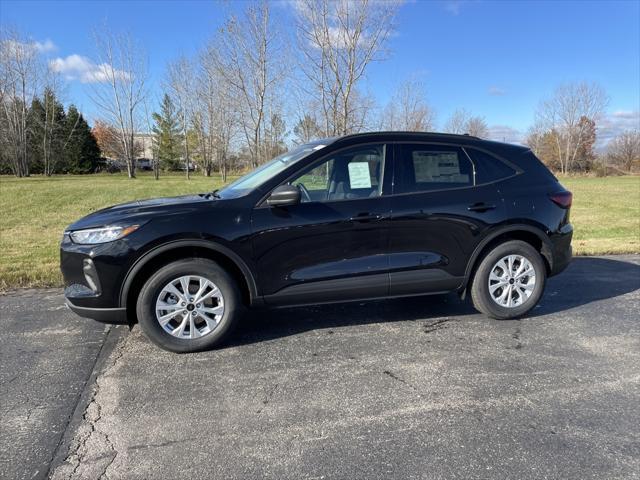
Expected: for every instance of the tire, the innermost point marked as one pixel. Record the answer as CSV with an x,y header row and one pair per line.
x,y
481,293
205,330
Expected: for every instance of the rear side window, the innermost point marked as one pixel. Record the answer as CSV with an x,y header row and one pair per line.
x,y
422,168
488,167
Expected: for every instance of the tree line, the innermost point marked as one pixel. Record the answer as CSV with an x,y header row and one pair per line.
x,y
55,140
255,88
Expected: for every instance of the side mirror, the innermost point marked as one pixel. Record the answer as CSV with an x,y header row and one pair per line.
x,y
284,195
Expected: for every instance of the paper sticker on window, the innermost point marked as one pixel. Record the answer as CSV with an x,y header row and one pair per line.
x,y
448,164
359,176
437,167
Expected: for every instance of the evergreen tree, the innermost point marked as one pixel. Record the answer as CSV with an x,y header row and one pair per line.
x,y
166,132
81,151
45,133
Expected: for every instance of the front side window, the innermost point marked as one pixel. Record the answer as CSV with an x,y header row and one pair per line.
x,y
422,168
349,174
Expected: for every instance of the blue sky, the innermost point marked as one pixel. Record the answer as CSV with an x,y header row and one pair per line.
x,y
497,59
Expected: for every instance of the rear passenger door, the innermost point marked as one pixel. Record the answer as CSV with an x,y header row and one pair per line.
x,y
440,212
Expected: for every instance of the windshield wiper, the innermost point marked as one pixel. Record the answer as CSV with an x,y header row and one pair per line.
x,y
213,194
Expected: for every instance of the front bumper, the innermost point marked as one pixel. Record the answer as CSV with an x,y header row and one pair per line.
x,y
93,275
105,315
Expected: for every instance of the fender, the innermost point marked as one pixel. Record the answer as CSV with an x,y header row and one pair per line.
x,y
518,227
165,247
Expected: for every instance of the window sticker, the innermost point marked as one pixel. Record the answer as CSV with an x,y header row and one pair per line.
x,y
448,164
437,167
359,176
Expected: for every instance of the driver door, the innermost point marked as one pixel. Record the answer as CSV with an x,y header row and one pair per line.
x,y
332,245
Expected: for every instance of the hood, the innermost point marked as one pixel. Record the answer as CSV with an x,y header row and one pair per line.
x,y
140,211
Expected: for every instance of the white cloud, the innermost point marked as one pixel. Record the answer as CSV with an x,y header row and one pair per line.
x,y
626,115
77,67
496,91
46,46
615,123
505,133
337,34
30,47
453,6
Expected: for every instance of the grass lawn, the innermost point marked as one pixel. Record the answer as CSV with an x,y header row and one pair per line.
x,y
35,211
605,214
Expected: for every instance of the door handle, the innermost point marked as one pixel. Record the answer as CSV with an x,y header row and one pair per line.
x,y
365,217
480,207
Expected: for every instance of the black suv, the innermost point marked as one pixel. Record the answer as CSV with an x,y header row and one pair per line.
x,y
358,217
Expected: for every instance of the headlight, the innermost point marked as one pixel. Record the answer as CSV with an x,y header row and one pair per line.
x,y
101,235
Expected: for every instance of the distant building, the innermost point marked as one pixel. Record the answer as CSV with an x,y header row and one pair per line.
x,y
144,145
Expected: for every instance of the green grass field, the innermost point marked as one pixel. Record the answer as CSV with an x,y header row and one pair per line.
x,y
35,211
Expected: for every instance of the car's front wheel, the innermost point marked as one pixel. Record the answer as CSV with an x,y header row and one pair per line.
x,y
189,305
509,280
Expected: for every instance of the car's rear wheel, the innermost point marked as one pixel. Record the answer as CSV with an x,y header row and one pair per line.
x,y
509,280
189,305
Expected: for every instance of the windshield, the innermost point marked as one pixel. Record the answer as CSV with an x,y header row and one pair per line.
x,y
263,173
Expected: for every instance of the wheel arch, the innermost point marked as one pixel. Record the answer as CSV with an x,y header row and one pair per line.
x,y
532,235
148,263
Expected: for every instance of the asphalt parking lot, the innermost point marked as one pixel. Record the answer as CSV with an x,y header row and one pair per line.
x,y
408,388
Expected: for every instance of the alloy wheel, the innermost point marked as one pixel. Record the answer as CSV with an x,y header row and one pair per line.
x,y
511,281
189,307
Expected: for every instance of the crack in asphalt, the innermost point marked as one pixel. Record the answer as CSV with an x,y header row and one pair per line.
x,y
516,336
78,399
398,379
267,398
160,445
437,324
79,451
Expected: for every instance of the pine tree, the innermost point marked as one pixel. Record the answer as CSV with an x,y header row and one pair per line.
x,y
45,133
81,151
166,132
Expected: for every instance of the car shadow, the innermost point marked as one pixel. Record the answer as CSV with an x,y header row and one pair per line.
x,y
586,280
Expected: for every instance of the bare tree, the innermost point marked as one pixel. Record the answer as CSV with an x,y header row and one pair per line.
x,y
306,129
217,119
457,122
536,140
248,55
477,127
461,121
21,72
565,113
181,82
624,150
408,109
338,40
119,90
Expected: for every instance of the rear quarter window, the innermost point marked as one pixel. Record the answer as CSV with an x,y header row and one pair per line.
x,y
489,168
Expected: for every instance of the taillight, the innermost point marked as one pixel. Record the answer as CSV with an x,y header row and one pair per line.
x,y
562,199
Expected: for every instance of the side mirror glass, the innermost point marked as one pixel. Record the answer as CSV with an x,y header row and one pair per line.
x,y
284,195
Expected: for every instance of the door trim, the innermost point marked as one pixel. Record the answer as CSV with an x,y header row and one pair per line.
x,y
330,291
